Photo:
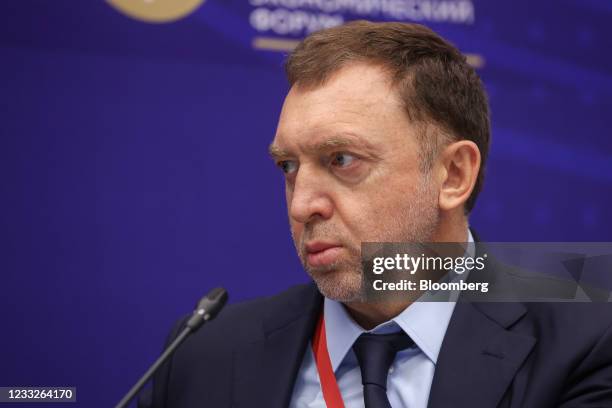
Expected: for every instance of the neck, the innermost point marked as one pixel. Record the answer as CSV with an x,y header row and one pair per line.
x,y
370,315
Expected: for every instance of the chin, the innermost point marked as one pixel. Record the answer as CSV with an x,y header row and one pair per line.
x,y
339,285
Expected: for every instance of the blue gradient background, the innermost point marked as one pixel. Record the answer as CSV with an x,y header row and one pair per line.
x,y
134,173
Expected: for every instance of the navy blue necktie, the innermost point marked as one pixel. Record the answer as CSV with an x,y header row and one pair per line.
x,y
375,354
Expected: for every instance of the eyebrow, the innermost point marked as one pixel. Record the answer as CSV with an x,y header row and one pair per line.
x,y
276,152
340,140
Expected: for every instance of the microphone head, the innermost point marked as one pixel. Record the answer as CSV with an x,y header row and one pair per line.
x,y
213,302
208,308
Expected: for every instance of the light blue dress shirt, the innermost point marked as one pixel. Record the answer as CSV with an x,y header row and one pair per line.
x,y
412,372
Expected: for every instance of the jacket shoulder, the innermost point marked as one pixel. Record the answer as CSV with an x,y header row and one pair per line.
x,y
206,356
244,321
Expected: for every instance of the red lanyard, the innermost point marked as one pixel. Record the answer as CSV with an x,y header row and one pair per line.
x,y
329,386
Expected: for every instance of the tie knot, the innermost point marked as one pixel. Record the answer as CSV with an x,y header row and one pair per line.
x,y
375,354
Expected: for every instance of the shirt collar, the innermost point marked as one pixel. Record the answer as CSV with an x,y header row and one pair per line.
x,y
424,322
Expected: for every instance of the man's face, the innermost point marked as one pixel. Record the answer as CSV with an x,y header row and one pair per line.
x,y
351,161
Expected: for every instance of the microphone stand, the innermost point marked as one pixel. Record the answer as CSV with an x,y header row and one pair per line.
x,y
207,309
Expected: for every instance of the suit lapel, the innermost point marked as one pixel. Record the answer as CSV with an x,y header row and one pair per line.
x,y
479,356
265,370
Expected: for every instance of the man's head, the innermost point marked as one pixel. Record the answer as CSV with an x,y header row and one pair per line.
x,y
382,137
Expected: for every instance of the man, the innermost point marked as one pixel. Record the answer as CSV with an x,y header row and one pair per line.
x,y
383,137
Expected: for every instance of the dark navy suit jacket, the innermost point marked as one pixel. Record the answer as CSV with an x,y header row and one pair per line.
x,y
494,355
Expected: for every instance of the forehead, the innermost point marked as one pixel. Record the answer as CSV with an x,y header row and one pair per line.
x,y
359,100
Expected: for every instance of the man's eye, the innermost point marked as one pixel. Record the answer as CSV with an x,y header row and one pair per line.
x,y
342,159
287,166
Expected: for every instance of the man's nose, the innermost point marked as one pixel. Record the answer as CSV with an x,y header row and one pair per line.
x,y
310,196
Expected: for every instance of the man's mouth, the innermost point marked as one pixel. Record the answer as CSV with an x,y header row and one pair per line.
x,y
321,253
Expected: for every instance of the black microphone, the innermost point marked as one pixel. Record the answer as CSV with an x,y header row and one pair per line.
x,y
207,309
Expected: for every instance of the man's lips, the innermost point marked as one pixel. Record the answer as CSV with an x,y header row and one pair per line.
x,y
320,253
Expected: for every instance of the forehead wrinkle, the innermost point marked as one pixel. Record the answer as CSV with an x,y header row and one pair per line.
x,y
314,145
341,140
332,142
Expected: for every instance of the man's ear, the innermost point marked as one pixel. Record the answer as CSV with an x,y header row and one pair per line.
x,y
459,164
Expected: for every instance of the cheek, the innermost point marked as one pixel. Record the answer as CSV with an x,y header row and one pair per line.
x,y
297,229
361,217
375,215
